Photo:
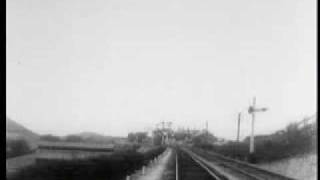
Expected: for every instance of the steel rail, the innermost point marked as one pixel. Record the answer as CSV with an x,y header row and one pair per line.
x,y
227,162
177,166
205,168
210,170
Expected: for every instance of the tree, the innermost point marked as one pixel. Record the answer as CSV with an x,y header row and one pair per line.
x,y
73,138
50,138
157,137
131,137
204,139
137,137
17,147
181,135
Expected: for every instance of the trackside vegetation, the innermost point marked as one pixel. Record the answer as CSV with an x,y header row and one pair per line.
x,y
114,167
295,139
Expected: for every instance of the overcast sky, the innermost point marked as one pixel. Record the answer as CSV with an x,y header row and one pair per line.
x,y
115,66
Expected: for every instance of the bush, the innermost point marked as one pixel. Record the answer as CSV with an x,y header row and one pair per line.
x,y
50,138
17,148
74,138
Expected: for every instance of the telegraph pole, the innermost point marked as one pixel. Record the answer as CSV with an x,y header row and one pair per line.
x,y
238,133
207,133
162,133
252,126
163,123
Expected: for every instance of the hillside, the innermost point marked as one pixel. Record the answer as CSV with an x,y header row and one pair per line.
x,y
95,136
98,138
16,131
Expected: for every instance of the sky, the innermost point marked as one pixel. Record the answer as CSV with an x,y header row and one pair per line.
x,y
120,66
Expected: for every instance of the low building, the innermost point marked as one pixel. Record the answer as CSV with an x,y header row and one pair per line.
x,y
71,151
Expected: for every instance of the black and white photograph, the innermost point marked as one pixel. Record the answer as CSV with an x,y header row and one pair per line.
x,y
161,90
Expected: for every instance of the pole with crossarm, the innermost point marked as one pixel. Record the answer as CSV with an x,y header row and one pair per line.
x,y
252,110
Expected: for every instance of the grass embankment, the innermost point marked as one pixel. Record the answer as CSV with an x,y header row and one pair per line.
x,y
303,167
112,167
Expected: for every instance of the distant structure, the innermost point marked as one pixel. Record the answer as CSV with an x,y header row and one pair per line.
x,y
166,132
71,151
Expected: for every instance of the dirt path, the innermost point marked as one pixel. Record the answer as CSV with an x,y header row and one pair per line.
x,y
155,172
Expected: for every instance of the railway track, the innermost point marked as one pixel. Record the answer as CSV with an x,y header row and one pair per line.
x,y
243,170
191,168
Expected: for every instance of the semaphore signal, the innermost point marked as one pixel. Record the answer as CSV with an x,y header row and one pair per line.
x,y
252,110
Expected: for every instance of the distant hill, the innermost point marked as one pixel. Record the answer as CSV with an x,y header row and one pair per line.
x,y
16,131
95,137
